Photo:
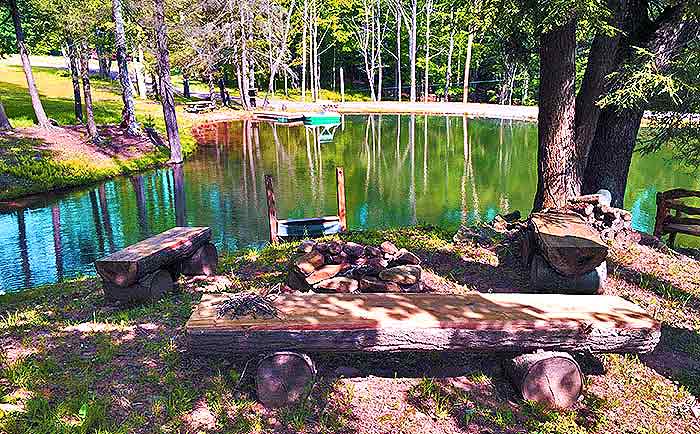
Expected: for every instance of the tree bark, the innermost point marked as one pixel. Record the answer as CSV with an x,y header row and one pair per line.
x,y
448,69
166,91
428,12
39,112
74,63
557,155
87,95
4,121
412,41
467,66
129,111
304,24
186,86
398,54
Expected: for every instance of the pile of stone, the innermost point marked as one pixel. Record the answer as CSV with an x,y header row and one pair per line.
x,y
612,223
346,267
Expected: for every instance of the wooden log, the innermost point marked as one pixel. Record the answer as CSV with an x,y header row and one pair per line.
x,y
127,266
544,278
203,262
427,322
284,378
342,212
271,209
150,288
550,378
587,198
679,206
568,244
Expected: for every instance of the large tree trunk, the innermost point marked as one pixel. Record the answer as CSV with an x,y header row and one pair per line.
x,y
303,50
74,63
167,98
448,69
87,94
4,121
398,54
428,12
41,117
129,111
467,66
557,156
412,41
186,86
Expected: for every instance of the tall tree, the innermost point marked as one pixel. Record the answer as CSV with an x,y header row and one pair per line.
x,y
4,121
39,112
74,63
166,86
428,14
87,94
129,111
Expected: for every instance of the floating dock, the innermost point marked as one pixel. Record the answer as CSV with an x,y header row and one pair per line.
x,y
309,118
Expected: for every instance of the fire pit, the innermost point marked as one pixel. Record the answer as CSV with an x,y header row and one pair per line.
x,y
346,267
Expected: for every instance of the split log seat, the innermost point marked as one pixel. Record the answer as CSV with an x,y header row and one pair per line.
x,y
428,322
146,270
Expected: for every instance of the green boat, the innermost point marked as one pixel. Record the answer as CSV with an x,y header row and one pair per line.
x,y
322,118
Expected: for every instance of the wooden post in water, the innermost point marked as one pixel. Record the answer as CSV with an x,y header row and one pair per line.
x,y
340,180
342,86
271,209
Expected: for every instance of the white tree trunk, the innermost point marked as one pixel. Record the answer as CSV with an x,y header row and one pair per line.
x,y
467,66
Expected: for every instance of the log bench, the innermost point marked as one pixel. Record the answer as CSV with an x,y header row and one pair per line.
x,y
146,270
686,218
509,323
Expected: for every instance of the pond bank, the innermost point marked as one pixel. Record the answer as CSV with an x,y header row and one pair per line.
x,y
73,360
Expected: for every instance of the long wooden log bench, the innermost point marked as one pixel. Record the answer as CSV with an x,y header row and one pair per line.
x,y
513,323
146,270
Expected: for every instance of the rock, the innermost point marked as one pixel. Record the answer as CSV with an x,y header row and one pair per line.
x,y
326,272
306,246
338,285
353,250
336,259
346,372
372,284
389,248
284,378
412,289
403,274
334,248
322,247
373,252
309,262
404,257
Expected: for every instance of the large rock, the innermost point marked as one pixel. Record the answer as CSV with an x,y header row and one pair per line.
x,y
309,262
403,274
354,250
338,285
389,248
404,257
372,284
284,378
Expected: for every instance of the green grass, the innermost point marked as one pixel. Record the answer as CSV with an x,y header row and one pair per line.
x,y
30,166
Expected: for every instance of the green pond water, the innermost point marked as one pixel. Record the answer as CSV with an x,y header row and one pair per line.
x,y
399,171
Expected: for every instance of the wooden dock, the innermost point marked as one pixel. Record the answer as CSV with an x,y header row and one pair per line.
x,y
428,322
278,117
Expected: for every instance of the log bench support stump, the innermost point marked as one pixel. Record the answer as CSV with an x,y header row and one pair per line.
x,y
146,270
284,378
550,378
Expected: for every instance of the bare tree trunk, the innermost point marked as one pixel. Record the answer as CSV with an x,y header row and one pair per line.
x,y
305,23
141,75
428,12
41,117
4,121
448,69
467,67
129,111
186,86
74,62
398,54
412,41
557,154
167,98
87,94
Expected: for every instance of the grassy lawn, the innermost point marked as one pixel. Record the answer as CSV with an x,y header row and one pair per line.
x,y
28,165
73,363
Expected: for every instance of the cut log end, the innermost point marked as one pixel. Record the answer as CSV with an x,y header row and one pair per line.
x,y
150,288
550,378
284,378
204,262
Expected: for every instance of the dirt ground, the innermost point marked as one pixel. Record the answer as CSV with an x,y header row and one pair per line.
x,y
66,349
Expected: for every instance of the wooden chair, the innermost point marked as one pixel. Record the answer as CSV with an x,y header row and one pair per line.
x,y
679,222
314,226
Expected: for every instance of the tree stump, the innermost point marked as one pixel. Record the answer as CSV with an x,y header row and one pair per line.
x,y
284,378
149,288
544,278
203,261
550,378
